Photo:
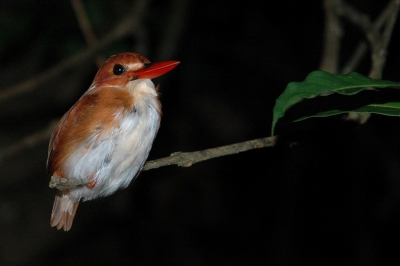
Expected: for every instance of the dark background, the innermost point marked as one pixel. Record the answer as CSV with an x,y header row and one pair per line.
x,y
333,198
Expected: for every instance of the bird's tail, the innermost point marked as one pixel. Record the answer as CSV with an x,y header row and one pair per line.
x,y
64,209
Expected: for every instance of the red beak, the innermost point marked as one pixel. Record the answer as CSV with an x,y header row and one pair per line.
x,y
156,70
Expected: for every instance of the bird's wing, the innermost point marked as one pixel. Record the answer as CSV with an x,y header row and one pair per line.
x,y
92,115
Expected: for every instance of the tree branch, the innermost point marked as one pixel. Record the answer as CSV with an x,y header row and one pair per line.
x,y
184,159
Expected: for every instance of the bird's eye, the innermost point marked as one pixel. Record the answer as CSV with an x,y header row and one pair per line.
x,y
118,70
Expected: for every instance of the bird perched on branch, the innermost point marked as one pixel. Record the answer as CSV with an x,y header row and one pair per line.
x,y
103,141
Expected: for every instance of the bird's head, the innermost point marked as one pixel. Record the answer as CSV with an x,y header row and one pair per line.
x,y
122,68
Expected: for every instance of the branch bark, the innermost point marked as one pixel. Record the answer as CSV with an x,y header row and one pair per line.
x,y
186,159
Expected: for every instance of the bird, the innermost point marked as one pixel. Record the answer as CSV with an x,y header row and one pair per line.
x,y
106,136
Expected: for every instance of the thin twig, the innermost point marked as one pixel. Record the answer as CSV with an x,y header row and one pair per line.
x,y
184,159
126,26
86,28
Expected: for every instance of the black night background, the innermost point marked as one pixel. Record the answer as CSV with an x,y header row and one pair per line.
x,y
327,194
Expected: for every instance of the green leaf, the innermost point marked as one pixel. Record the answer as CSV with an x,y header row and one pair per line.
x,y
323,83
389,109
